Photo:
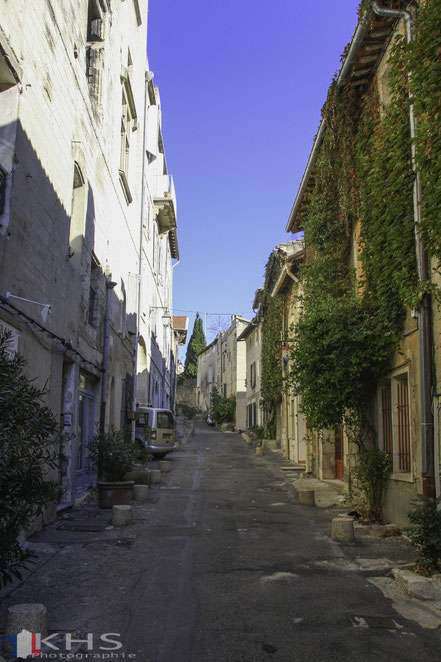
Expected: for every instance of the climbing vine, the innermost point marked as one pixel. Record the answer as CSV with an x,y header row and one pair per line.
x,y
354,303
422,57
272,316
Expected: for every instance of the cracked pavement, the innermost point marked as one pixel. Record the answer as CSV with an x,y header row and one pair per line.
x,y
221,564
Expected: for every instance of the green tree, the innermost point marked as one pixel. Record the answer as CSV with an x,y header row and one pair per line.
x,y
30,443
197,344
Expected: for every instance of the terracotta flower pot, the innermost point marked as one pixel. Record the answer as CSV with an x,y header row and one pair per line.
x,y
115,494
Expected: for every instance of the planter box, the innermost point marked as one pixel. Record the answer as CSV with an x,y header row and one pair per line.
x,y
115,494
139,476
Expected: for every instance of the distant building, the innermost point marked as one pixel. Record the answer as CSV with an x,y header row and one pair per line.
x,y
222,364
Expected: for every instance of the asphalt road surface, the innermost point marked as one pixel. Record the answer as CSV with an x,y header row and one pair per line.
x,y
221,565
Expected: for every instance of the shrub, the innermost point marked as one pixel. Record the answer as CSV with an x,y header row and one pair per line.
x,y
425,533
372,473
258,431
30,443
112,456
222,410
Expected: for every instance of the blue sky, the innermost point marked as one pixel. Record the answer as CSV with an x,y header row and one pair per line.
x,y
242,83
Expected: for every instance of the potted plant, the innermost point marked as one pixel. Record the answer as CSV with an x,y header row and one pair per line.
x,y
139,472
113,457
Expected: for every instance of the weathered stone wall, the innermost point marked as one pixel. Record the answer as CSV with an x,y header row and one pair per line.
x,y
67,224
186,393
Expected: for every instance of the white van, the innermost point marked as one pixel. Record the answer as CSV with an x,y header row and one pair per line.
x,y
155,429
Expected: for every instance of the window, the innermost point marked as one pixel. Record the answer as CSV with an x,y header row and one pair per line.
x,y
77,217
164,420
126,120
253,375
143,419
93,293
403,427
95,21
386,417
128,124
137,12
251,415
94,49
394,423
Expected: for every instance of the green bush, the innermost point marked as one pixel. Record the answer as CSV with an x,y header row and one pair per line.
x,y
30,444
371,475
258,431
425,533
112,456
222,410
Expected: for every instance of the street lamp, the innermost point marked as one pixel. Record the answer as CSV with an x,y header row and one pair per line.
x,y
166,318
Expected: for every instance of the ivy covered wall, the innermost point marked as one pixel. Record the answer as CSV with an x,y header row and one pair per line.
x,y
354,302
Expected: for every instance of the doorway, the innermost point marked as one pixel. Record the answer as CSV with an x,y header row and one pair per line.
x,y
339,466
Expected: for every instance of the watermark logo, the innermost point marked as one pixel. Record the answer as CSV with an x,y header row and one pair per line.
x,y
32,645
24,644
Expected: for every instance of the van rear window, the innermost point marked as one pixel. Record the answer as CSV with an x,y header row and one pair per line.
x,y
164,419
143,419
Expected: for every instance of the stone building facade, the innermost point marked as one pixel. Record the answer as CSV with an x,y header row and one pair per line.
x,y
404,413
222,364
251,337
87,215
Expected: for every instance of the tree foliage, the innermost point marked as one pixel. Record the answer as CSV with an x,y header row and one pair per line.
x,y
196,344
271,312
30,442
222,410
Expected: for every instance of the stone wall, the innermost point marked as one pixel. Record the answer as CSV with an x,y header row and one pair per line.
x,y
186,393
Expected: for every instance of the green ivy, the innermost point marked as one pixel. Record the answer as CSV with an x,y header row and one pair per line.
x,y
354,309
422,57
272,317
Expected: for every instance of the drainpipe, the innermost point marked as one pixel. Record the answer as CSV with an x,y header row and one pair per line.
x,y
147,78
425,335
109,287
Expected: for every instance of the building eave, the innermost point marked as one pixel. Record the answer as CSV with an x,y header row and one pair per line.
x,y
368,44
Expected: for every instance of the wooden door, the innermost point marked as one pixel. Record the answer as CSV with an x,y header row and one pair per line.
x,y
339,467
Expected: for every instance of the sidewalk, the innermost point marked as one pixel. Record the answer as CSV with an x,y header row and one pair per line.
x,y
377,548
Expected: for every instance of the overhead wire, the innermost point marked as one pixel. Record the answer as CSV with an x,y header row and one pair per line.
x,y
27,319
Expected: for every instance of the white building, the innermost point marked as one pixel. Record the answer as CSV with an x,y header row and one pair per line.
x,y
251,337
87,215
222,364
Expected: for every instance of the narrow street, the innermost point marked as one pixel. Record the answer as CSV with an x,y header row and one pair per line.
x,y
220,565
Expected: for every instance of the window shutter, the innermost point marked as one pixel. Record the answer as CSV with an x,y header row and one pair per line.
x,y
95,58
97,29
152,130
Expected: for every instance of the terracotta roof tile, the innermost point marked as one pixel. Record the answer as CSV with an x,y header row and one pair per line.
x,y
180,322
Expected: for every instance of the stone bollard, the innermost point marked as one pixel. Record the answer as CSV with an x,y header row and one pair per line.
x,y
140,492
29,617
164,466
155,476
121,515
307,497
342,529
259,450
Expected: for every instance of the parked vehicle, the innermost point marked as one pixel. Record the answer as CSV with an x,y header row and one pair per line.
x,y
155,429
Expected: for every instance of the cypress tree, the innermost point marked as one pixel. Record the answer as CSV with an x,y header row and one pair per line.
x,y
197,344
